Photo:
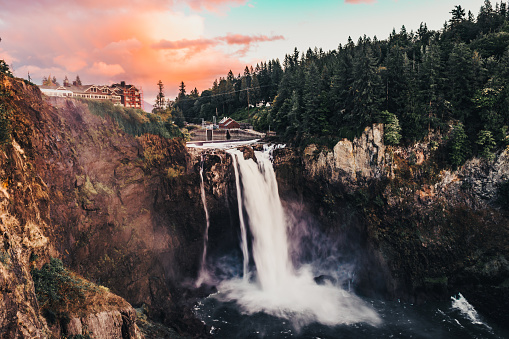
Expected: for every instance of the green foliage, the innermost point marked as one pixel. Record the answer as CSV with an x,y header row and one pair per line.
x,y
459,150
5,126
426,80
58,290
392,129
5,119
134,121
4,257
4,68
486,142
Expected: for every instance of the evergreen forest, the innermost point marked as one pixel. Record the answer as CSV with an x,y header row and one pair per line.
x,y
417,83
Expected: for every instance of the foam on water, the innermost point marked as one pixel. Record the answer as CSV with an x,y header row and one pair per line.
x,y
277,287
467,310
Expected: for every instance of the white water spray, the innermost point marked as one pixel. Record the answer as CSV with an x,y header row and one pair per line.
x,y
203,275
467,310
280,289
243,230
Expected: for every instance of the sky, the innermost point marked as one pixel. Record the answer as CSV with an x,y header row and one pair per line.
x,y
194,41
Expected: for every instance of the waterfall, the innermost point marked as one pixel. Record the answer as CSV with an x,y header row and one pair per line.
x,y
243,230
275,286
203,269
260,199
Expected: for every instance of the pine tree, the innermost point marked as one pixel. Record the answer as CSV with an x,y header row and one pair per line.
x,y
366,89
459,150
392,130
458,15
460,81
182,91
313,118
160,101
486,141
294,124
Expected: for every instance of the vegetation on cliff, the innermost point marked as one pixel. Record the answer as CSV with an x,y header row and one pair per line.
x,y
63,294
430,80
134,121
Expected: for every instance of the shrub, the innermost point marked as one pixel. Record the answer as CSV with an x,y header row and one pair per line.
x,y
458,146
392,129
486,141
4,68
58,290
134,121
5,126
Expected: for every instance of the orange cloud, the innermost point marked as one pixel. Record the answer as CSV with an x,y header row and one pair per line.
x,y
139,41
102,68
196,44
212,5
239,39
70,62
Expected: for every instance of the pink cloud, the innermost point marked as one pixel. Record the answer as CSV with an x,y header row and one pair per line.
x,y
102,68
196,44
109,41
213,5
9,59
239,39
70,62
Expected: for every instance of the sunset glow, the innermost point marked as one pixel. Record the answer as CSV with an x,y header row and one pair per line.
x,y
194,41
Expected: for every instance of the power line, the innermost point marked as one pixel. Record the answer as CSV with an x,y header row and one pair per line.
x,y
228,93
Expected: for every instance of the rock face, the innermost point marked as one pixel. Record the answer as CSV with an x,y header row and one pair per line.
x,y
420,231
106,325
349,161
484,177
122,211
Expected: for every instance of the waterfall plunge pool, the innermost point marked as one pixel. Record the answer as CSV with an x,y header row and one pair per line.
x,y
264,293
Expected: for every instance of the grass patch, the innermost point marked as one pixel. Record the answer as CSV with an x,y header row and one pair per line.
x,y
134,121
63,294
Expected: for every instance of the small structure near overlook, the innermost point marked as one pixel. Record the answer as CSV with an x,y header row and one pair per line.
x,y
228,123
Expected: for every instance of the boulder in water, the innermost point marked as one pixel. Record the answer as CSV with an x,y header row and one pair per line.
x,y
324,278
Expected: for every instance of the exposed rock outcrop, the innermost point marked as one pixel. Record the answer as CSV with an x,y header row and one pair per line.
x,y
421,231
106,325
122,211
349,161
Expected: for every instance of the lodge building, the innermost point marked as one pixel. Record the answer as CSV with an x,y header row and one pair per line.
x,y
120,94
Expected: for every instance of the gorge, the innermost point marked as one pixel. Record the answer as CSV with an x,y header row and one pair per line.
x,y
353,239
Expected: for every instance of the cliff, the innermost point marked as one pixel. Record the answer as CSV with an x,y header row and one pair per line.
x,y
120,210
421,230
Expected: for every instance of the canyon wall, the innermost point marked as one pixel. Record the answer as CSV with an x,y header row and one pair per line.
x,y
422,231
122,211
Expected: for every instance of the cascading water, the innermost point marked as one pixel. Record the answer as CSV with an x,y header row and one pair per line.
x,y
277,296
243,230
277,287
203,275
261,201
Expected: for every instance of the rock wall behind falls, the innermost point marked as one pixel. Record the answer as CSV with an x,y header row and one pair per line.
x,y
418,230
